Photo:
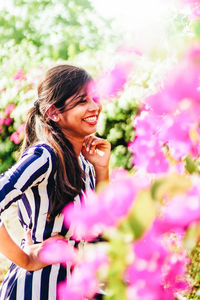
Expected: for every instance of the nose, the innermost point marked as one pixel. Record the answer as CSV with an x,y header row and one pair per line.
x,y
94,105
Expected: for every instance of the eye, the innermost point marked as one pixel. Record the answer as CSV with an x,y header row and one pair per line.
x,y
82,100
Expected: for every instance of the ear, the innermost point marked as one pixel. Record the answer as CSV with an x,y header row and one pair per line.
x,y
52,113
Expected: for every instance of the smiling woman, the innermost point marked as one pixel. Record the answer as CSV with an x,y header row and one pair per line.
x,y
59,156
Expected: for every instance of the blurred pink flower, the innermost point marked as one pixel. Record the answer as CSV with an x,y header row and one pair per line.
x,y
148,155
19,75
177,135
109,84
136,292
183,83
129,50
15,138
145,274
191,1
58,251
147,146
180,212
64,292
162,102
8,121
101,211
9,109
118,173
156,272
83,283
2,120
151,248
175,273
21,129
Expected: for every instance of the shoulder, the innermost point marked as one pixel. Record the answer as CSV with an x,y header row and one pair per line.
x,y
40,149
41,155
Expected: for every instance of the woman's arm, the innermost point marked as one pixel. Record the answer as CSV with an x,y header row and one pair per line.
x,y
11,250
32,167
29,261
97,152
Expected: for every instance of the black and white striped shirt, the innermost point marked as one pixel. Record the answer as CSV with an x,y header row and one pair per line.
x,y
29,182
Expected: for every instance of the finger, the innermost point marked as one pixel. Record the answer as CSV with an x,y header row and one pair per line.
x,y
92,144
28,237
87,142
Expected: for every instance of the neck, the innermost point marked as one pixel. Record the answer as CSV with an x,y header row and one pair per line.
x,y
77,142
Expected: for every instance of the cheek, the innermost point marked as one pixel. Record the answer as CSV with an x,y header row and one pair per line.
x,y
100,107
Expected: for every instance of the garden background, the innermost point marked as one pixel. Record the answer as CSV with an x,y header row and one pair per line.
x,y
158,41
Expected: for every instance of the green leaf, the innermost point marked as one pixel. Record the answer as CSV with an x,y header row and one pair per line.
x,y
141,216
170,186
197,28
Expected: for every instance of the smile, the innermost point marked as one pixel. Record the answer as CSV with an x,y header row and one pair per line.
x,y
91,120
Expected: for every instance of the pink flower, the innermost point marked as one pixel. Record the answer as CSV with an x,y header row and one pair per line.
x,y
147,146
118,173
145,274
183,83
101,211
2,120
129,50
162,102
8,121
58,251
19,75
9,109
156,273
21,129
15,138
151,248
148,155
83,282
109,84
177,135
64,292
180,212
175,273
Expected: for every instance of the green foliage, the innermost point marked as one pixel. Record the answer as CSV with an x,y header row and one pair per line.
x,y
194,272
169,187
57,29
197,28
117,127
192,165
120,257
17,87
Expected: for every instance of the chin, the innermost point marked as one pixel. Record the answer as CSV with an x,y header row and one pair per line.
x,y
89,132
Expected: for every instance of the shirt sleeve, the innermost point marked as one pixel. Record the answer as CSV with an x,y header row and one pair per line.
x,y
31,169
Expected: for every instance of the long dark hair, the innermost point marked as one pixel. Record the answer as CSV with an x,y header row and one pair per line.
x,y
60,83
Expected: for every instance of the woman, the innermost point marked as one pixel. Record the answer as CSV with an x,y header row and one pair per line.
x,y
56,166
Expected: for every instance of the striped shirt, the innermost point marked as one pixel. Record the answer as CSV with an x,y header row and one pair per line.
x,y
29,182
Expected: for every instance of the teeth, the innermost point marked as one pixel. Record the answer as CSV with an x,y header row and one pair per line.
x,y
91,119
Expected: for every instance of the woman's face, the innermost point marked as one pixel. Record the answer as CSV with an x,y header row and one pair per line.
x,y
80,120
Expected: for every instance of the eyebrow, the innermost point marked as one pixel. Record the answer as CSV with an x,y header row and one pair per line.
x,y
80,96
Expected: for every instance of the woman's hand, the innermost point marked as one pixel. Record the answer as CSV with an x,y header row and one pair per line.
x,y
97,152
33,251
